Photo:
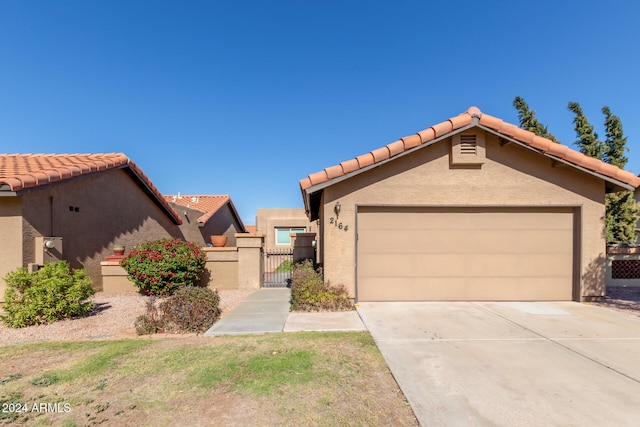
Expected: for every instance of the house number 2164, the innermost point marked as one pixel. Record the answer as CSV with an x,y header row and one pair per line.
x,y
338,225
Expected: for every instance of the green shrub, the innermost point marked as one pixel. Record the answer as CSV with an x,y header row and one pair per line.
x,y
309,292
52,293
285,266
189,309
162,266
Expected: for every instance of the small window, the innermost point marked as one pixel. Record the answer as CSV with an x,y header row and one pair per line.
x,y
283,235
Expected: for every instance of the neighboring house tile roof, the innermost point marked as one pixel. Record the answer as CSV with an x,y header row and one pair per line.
x,y
20,173
207,204
251,229
470,117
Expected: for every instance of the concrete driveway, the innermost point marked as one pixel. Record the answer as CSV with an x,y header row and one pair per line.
x,y
511,364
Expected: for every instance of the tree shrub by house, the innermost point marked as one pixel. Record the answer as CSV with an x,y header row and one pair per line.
x,y
189,309
309,292
52,293
160,267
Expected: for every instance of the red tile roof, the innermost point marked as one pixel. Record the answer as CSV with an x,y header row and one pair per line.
x,y
22,172
559,151
207,204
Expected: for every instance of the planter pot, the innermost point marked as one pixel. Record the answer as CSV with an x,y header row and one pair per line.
x,y
118,249
218,241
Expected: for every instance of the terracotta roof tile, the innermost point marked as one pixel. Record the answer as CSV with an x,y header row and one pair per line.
x,y
318,177
541,143
380,154
207,204
334,171
490,121
508,130
396,147
460,120
24,171
628,177
349,166
306,183
574,157
365,160
558,150
442,128
411,141
425,136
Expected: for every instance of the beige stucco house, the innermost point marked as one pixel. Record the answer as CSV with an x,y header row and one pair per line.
x,y
84,204
277,225
472,208
207,215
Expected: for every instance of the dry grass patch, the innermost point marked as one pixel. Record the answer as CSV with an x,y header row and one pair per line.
x,y
323,379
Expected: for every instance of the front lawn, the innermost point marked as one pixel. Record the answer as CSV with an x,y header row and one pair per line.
x,y
323,379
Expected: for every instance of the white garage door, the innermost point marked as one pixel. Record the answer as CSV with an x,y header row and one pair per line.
x,y
457,254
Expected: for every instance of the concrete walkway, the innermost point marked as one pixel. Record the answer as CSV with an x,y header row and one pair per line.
x,y
267,311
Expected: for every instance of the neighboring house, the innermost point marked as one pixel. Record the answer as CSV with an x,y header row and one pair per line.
x,y
87,202
277,224
472,208
213,215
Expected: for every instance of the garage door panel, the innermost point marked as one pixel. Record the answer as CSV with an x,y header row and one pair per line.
x,y
464,265
464,219
464,241
422,254
463,289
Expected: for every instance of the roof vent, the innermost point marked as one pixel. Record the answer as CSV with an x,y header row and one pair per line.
x,y
194,199
468,145
468,149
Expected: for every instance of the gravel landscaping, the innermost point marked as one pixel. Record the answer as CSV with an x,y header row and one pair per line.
x,y
113,318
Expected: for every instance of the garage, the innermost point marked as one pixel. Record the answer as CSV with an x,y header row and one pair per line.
x,y
469,209
459,254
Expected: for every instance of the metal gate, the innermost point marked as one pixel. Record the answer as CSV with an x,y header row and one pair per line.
x,y
278,264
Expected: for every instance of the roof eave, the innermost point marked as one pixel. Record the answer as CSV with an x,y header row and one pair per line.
x,y
322,185
621,185
310,191
155,195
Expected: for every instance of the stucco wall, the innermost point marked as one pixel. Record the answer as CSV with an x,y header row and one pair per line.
x,y
222,223
10,237
268,219
190,228
511,175
91,214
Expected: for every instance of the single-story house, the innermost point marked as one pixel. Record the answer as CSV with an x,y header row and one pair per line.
x,y
211,214
472,208
277,225
81,205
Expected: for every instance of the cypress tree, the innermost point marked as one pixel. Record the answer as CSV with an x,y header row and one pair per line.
x,y
528,120
621,209
587,139
614,145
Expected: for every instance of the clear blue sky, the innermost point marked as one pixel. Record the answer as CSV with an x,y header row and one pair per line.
x,y
247,97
